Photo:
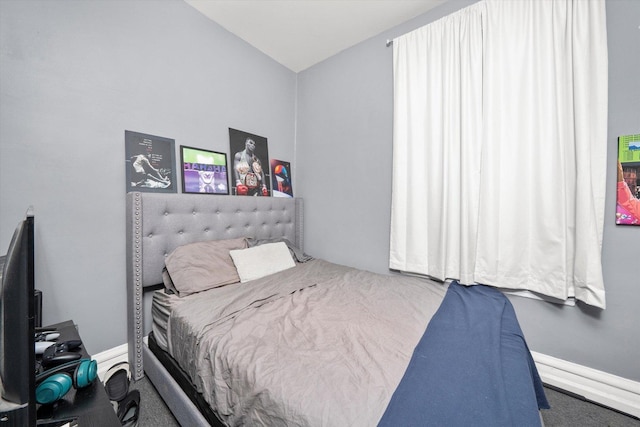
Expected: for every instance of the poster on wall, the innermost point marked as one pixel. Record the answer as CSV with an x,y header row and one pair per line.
x,y
628,183
250,175
203,171
281,179
150,163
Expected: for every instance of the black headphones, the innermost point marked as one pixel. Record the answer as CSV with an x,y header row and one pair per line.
x,y
54,383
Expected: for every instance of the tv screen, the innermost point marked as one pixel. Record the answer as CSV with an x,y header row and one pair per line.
x,y
17,353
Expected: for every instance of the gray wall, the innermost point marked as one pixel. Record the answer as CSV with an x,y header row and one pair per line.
x,y
344,160
73,76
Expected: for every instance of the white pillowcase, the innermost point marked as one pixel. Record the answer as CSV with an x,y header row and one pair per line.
x,y
259,261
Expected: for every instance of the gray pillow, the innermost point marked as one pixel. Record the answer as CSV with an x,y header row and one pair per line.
x,y
296,252
200,266
169,287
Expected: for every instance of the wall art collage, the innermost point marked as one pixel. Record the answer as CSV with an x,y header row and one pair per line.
x,y
151,167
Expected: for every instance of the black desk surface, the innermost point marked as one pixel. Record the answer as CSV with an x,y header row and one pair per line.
x,y
90,405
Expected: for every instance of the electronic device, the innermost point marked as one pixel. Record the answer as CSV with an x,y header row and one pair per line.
x,y
53,384
41,346
60,353
44,339
46,336
17,352
37,309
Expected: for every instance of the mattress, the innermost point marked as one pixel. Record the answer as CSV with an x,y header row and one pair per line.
x,y
317,345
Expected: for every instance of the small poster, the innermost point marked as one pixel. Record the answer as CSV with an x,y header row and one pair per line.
x,y
250,176
281,179
628,182
150,163
203,171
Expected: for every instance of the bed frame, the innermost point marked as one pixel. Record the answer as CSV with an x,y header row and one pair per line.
x,y
157,223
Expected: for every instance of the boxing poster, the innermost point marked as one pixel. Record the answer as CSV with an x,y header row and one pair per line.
x,y
203,171
628,182
250,175
281,179
150,163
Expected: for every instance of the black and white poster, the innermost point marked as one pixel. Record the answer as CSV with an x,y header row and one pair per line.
x,y
150,163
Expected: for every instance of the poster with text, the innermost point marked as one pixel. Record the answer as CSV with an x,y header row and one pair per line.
x,y
281,179
150,163
628,182
203,171
250,157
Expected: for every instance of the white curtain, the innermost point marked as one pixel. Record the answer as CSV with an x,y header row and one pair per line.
x,y
500,139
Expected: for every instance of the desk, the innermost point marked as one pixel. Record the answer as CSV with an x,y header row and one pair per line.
x,y
90,405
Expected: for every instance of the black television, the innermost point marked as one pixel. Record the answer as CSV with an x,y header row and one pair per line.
x,y
17,352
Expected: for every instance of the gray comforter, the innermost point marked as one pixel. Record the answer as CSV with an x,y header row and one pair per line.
x,y
316,345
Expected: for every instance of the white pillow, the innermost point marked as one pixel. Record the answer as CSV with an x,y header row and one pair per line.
x,y
259,261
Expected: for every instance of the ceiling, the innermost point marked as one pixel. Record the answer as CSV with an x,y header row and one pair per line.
x,y
301,33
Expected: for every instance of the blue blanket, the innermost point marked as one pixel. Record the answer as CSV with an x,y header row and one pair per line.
x,y
472,367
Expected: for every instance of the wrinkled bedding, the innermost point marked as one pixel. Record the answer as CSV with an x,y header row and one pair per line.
x,y
316,345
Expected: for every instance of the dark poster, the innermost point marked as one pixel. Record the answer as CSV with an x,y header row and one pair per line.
x,y
150,163
250,162
281,178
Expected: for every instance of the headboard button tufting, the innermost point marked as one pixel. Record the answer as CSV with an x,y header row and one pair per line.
x,y
218,217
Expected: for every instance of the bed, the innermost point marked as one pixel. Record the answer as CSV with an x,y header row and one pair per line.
x,y
315,343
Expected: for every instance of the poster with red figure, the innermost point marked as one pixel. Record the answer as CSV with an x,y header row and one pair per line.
x,y
250,160
281,178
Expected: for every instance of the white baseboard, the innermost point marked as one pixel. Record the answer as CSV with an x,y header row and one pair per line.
x,y
108,358
597,386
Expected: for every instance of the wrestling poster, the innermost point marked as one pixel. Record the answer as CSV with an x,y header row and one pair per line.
x,y
150,163
250,174
628,182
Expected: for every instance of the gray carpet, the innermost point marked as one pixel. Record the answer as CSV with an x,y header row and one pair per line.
x,y
570,411
153,411
566,411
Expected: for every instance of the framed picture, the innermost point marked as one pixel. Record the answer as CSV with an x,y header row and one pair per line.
x,y
281,179
628,182
250,176
150,163
203,171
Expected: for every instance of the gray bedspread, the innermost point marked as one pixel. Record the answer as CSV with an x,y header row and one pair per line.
x,y
316,345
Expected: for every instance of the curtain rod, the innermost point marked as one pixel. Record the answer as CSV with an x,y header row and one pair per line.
x,y
389,42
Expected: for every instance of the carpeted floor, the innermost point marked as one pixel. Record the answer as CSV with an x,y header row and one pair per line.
x,y
569,411
566,411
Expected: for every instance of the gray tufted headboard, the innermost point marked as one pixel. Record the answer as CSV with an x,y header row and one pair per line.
x,y
158,223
